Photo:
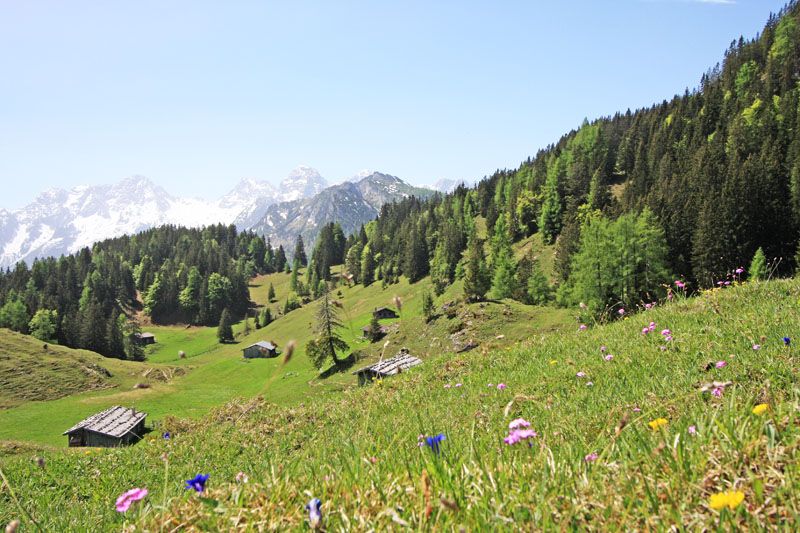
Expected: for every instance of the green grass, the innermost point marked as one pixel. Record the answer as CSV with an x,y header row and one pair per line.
x,y
212,374
357,451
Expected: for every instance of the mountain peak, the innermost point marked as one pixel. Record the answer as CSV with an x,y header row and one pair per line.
x,y
302,182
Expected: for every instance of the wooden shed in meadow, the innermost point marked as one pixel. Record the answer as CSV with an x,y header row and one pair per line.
x,y
144,338
116,426
388,367
261,349
384,312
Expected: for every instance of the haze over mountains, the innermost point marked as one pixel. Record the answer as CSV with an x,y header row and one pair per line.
x,y
62,221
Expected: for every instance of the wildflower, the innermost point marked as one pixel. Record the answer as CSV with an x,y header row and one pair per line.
x,y
553,361
314,512
680,284
692,430
662,348
166,435
581,374
590,384
433,442
241,477
373,459
648,306
40,462
591,457
582,327
645,331
730,499
637,409
666,332
490,384
760,409
721,364
727,283
621,311
756,346
717,392
739,270
519,423
518,435
609,357
197,483
787,341
501,386
603,348
652,327
420,440
458,384
127,498
657,423
447,385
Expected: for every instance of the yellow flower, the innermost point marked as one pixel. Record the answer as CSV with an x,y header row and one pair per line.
x,y
760,409
657,423
553,361
730,499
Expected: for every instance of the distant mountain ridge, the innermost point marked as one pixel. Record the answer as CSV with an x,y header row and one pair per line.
x,y
351,204
62,221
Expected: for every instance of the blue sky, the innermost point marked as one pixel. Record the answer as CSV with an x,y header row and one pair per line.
x,y
196,95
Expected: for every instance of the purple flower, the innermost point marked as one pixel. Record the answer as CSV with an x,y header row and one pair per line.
x,y
721,364
591,457
603,348
458,384
518,423
581,374
666,332
433,442
787,341
680,284
127,498
645,331
197,483
166,435
518,435
756,346
692,430
609,357
717,392
501,386
582,327
314,508
740,270
590,384
637,410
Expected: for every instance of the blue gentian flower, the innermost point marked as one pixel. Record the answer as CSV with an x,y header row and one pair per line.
x,y
314,512
433,442
197,483
787,341
166,435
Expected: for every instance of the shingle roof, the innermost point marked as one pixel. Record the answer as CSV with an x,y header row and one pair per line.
x,y
264,344
115,421
145,335
390,367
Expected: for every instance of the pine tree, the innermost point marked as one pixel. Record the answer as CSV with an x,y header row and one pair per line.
x,y
374,329
114,336
502,261
328,342
476,277
550,220
271,293
300,252
224,330
427,306
758,267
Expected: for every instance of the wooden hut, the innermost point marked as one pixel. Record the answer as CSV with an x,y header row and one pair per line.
x,y
388,367
261,349
144,338
116,426
384,312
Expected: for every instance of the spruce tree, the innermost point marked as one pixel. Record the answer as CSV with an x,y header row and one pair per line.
x,y
476,276
550,219
758,267
271,293
300,252
427,306
224,330
328,342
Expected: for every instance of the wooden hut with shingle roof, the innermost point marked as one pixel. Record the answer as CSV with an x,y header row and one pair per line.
x,y
116,426
387,367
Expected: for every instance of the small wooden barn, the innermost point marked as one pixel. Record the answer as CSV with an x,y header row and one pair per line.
x,y
261,349
116,426
144,338
367,330
388,367
384,312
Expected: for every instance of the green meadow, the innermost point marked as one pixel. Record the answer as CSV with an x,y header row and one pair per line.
x,y
597,462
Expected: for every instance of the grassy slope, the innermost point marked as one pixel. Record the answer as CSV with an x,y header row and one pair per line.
x,y
358,452
217,373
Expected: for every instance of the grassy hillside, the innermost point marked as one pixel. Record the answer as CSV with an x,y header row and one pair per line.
x,y
596,463
212,374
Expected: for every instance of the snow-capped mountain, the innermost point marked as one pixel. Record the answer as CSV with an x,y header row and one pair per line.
x,y
64,221
446,185
351,204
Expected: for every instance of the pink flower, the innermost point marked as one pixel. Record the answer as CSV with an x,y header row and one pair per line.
x,y
692,430
603,348
721,364
680,284
581,374
241,477
717,392
648,306
652,327
582,327
519,423
447,386
740,270
609,357
518,435
591,457
621,311
127,498
637,409
589,384
645,331
666,332
756,346
458,384
501,386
